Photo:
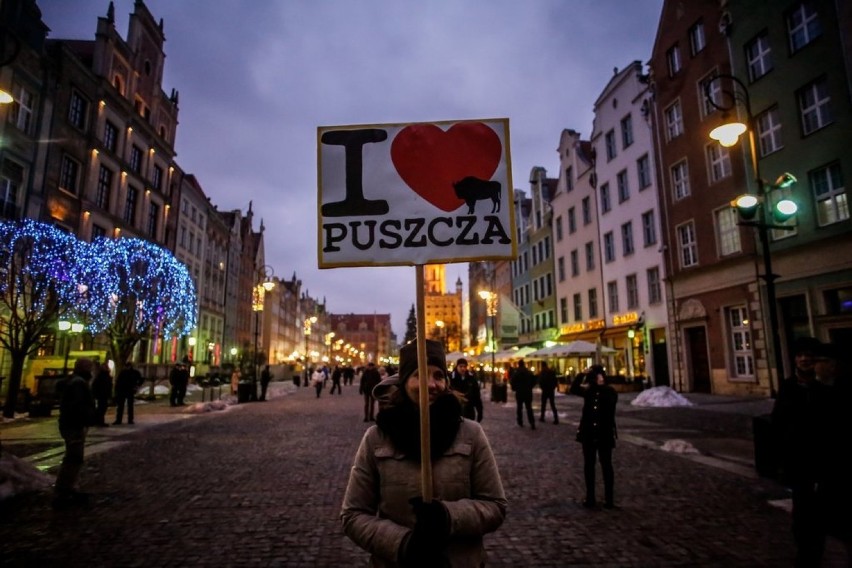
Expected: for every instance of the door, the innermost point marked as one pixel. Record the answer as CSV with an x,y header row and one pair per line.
x,y
699,365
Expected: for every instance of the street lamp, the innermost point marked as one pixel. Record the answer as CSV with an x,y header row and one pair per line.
x,y
440,325
491,306
263,284
68,328
308,322
755,209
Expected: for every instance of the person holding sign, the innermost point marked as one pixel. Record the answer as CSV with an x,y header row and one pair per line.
x,y
383,510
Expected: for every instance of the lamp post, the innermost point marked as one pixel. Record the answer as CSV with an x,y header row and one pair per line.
x,y
491,306
68,328
308,322
758,204
262,285
440,325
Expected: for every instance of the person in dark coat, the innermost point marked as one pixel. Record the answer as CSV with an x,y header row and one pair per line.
x,y
265,378
547,383
370,377
336,375
128,380
178,380
76,414
348,375
463,382
597,431
522,383
808,429
101,391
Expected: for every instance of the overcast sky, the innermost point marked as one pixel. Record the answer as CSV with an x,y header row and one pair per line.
x,y
256,78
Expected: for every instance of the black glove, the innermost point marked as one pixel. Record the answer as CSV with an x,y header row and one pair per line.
x,y
426,544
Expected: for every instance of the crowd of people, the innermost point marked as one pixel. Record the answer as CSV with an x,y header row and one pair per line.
x,y
810,424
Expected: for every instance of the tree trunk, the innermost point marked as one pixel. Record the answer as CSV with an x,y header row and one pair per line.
x,y
15,375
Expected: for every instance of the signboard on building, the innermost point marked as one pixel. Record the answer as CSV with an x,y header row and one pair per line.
x,y
415,193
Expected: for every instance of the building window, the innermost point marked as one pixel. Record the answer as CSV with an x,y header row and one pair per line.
x,y
612,296
605,202
674,121
157,180
680,180
110,136
687,245
696,38
759,57
136,159
627,238
130,205
655,293
153,222
830,194
609,140
593,302
709,92
560,268
632,292
77,110
769,132
559,229
738,326
609,247
578,307
69,174
587,210
626,131
803,26
727,231
98,232
718,162
569,179
563,309
623,186
104,188
575,263
643,171
590,256
649,228
673,60
815,106
11,178
21,113
572,221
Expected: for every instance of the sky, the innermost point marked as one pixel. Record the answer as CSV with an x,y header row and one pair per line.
x,y
256,79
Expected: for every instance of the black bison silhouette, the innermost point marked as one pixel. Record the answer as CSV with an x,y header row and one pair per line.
x,y
472,189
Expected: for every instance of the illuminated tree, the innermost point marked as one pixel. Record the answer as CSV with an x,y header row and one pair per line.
x,y
42,280
147,292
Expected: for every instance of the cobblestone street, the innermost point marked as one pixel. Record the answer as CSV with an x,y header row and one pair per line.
x,y
261,485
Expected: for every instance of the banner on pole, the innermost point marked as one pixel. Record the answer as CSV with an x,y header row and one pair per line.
x,y
415,194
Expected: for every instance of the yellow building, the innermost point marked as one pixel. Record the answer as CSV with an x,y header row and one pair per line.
x,y
443,309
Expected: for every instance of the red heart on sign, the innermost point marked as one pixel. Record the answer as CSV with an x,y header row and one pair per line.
x,y
430,160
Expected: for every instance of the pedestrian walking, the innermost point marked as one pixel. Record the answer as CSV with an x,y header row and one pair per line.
x,y
265,378
128,380
236,376
101,391
76,414
382,509
463,382
597,431
811,426
336,375
522,383
547,383
318,380
370,377
348,375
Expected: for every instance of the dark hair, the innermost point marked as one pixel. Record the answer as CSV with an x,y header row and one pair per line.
x,y
593,373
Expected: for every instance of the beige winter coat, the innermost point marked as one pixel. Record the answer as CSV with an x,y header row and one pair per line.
x,y
376,513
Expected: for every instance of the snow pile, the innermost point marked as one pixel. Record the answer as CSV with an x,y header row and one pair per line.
x,y
660,397
18,476
210,406
678,447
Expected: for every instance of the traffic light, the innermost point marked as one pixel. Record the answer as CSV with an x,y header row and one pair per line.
x,y
782,208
